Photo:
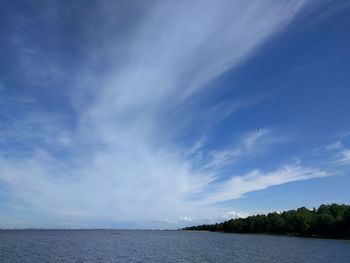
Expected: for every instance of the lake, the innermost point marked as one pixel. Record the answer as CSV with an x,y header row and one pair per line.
x,y
164,246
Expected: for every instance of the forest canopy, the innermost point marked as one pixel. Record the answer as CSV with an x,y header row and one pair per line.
x,y
328,221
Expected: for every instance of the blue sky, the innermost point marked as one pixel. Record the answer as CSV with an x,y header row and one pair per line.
x,y
161,114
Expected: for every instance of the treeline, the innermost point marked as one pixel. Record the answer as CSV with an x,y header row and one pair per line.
x,y
328,221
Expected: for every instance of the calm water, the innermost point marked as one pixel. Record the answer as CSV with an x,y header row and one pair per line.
x,y
163,246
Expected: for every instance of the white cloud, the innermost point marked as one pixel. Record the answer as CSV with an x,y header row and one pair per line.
x,y
340,153
122,162
344,158
334,146
186,218
250,144
238,186
233,215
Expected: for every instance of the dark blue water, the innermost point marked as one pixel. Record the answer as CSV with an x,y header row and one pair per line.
x,y
164,246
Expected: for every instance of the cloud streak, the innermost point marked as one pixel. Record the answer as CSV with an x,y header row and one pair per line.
x,y
238,186
250,144
120,159
344,158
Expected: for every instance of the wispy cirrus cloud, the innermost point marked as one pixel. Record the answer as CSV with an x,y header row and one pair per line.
x,y
118,159
249,145
333,146
237,186
344,158
338,150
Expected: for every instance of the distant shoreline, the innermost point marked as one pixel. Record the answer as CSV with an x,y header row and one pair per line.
x,y
83,229
267,234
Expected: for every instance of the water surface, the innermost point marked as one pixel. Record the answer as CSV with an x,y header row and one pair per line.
x,y
164,246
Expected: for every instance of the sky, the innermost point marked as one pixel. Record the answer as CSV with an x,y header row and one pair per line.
x,y
164,114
